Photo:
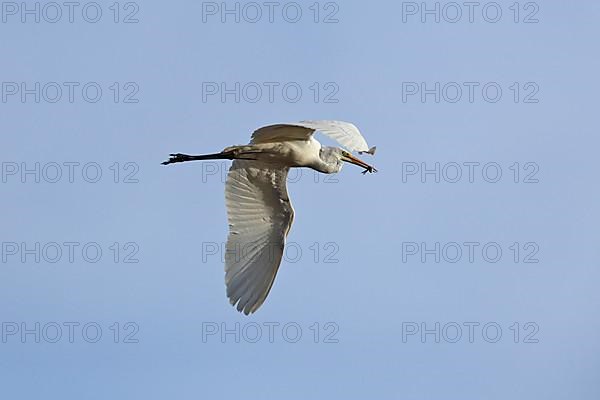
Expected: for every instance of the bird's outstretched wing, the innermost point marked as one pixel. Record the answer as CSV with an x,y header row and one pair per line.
x,y
345,133
260,216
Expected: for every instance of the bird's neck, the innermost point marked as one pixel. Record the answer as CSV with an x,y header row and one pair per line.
x,y
325,167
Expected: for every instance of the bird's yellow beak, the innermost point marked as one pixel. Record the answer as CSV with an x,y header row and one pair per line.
x,y
349,158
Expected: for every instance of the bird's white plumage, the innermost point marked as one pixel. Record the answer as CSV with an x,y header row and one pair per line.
x,y
258,206
345,133
260,216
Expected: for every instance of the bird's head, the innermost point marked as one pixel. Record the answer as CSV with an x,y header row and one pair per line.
x,y
335,157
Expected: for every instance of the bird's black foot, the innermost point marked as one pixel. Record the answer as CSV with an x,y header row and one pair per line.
x,y
369,170
176,158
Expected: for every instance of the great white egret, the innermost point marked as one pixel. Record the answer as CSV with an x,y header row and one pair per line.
x,y
258,207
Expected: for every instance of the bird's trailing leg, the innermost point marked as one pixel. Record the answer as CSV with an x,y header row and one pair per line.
x,y
179,158
229,153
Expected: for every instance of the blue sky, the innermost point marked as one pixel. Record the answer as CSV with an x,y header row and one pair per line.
x,y
130,270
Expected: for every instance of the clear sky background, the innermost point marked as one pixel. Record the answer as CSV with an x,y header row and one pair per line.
x,y
361,281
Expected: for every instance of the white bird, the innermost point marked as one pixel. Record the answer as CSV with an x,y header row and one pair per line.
x,y
258,207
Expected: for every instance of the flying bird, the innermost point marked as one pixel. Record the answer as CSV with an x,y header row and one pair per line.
x,y
259,210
